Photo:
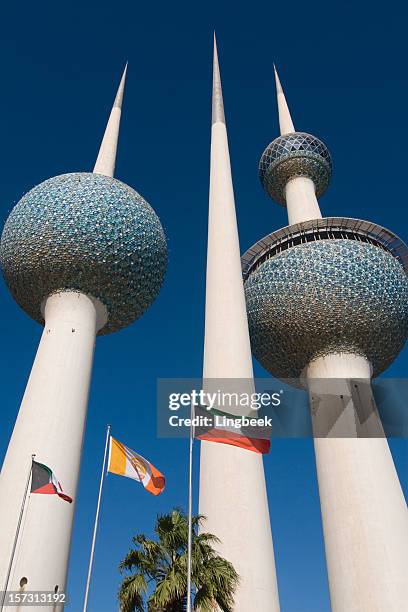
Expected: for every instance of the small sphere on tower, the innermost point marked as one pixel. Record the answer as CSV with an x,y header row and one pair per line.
x,y
293,155
85,232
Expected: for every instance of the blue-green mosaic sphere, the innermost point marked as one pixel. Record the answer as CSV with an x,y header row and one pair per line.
x,y
85,232
293,155
327,296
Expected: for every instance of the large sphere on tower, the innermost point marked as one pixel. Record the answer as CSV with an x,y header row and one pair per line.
x,y
85,232
315,294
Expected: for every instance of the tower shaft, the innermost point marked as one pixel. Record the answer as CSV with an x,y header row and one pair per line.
x,y
50,424
364,513
300,194
301,200
232,482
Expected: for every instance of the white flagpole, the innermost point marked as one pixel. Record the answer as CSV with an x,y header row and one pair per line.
x,y
20,518
190,508
91,558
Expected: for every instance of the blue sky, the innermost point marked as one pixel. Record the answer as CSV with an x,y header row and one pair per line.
x,y
343,66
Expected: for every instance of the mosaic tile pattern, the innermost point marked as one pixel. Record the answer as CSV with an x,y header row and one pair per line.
x,y
291,155
327,296
85,232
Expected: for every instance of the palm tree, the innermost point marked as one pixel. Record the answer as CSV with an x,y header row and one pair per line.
x,y
156,578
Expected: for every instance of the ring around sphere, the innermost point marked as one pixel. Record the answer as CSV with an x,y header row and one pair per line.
x,y
89,233
293,155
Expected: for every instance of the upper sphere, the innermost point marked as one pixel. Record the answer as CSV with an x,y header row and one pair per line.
x,y
292,155
324,297
85,232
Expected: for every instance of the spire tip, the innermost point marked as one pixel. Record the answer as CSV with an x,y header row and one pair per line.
x,y
217,101
105,163
279,89
285,120
119,96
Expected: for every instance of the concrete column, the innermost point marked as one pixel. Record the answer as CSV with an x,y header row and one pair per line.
x,y
50,423
227,348
301,200
364,512
232,482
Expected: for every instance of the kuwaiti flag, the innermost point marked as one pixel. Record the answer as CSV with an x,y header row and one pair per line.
x,y
44,481
125,462
219,429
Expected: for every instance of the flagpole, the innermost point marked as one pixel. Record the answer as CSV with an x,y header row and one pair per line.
x,y
190,508
20,518
91,557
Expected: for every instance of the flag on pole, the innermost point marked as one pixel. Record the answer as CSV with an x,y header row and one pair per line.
x,y
234,430
125,462
44,481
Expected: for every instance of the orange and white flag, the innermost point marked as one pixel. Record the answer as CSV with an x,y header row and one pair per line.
x,y
125,462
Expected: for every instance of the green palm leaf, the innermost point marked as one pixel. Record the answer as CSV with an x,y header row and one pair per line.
x,y
156,570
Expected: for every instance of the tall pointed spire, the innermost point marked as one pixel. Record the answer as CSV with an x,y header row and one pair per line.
x,y
299,187
105,163
285,120
217,101
232,480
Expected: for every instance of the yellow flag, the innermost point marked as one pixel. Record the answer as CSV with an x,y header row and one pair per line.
x,y
125,462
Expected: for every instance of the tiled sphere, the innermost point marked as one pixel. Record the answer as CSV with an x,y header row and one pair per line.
x,y
327,296
85,232
292,155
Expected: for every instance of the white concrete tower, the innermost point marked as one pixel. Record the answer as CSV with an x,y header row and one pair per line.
x,y
48,255
327,302
232,482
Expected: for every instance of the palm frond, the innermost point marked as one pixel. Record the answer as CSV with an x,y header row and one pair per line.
x,y
131,593
164,564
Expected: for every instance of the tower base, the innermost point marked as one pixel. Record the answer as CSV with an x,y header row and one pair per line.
x,y
233,498
50,424
364,512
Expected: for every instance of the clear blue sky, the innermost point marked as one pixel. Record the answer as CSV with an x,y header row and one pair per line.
x,y
343,66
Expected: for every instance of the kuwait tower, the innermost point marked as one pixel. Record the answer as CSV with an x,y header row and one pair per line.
x,y
327,302
84,255
232,482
